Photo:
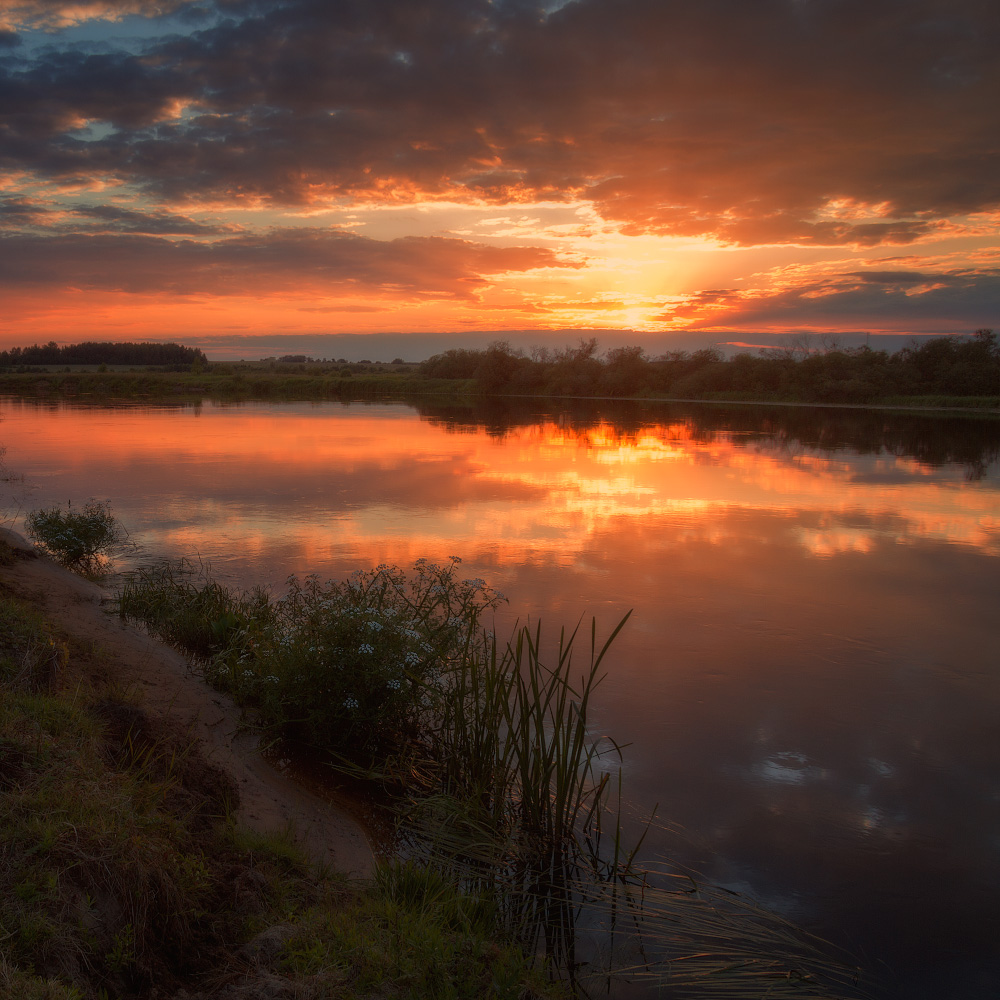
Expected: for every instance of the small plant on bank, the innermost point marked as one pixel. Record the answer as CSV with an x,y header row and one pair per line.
x,y
181,604
352,666
82,539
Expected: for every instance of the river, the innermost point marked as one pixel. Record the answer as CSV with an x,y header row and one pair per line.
x,y
808,685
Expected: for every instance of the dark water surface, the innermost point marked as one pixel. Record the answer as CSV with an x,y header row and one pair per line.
x,y
810,680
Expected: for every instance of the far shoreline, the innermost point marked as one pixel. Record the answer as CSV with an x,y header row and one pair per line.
x,y
229,386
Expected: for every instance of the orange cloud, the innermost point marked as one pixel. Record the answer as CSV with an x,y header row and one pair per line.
x,y
768,125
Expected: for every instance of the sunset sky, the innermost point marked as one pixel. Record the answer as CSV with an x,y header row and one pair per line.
x,y
228,173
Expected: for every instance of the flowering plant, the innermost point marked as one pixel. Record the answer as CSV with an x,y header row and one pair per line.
x,y
354,664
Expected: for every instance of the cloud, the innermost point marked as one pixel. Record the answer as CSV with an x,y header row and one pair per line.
x,y
828,123
903,278
53,15
18,212
960,299
305,260
109,218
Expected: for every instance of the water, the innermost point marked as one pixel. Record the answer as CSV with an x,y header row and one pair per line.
x,y
809,681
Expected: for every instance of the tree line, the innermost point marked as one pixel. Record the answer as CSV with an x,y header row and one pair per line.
x,y
103,353
940,366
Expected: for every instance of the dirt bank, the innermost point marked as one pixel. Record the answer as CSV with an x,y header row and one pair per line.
x,y
166,687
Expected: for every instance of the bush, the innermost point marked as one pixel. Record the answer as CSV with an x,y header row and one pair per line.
x,y
350,665
83,539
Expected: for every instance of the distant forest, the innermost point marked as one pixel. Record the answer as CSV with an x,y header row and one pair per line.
x,y
93,353
941,366
939,371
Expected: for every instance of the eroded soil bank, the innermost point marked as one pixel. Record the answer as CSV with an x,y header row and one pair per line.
x,y
164,685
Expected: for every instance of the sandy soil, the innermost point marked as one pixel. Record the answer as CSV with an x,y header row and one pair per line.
x,y
166,687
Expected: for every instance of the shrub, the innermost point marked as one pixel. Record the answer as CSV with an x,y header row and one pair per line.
x,y
350,665
82,539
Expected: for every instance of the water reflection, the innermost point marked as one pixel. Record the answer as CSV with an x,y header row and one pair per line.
x,y
809,679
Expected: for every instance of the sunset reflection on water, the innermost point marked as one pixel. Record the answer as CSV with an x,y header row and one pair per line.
x,y
313,487
809,679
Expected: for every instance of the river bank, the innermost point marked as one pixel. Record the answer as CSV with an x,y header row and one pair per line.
x,y
166,687
149,850
244,383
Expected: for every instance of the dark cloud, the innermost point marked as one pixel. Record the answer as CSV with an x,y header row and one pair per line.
x,y
904,277
109,218
723,117
16,213
303,259
963,299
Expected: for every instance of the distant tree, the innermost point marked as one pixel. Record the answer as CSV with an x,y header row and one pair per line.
x,y
576,371
456,363
626,372
98,353
498,367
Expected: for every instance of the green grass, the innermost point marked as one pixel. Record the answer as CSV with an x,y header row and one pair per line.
x,y
950,402
122,868
228,383
28,654
183,606
237,382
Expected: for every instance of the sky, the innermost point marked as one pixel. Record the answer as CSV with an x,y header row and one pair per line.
x,y
249,176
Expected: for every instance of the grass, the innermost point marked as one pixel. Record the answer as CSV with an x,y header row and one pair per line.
x,y
949,402
182,605
228,383
254,381
122,869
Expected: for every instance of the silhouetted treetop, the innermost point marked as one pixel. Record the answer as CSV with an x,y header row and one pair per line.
x,y
103,353
948,366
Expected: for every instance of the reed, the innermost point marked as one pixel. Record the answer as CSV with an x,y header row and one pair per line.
x,y
509,738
